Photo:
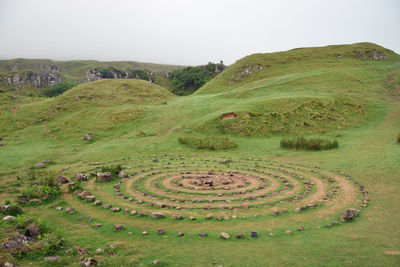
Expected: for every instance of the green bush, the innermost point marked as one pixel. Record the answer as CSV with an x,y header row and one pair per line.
x,y
59,88
302,143
106,73
139,74
187,80
114,169
208,142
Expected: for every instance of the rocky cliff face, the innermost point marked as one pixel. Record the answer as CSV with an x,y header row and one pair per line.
x,y
96,74
38,75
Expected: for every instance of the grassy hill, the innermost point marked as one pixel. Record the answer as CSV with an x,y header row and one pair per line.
x,y
346,92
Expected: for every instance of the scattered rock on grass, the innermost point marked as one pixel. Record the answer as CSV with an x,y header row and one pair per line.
x,y
70,210
157,215
118,227
52,258
348,215
224,235
202,234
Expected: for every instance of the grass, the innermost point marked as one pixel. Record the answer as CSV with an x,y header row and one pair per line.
x,y
42,129
303,143
208,142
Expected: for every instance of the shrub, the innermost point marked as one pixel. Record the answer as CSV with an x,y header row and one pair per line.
x,y
114,169
59,88
208,142
302,143
139,74
106,73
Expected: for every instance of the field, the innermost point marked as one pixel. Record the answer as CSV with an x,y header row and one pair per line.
x,y
184,156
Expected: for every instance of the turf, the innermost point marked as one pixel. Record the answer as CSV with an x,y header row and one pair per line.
x,y
332,92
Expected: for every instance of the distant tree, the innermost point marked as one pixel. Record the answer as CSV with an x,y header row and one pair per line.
x,y
106,73
59,88
139,74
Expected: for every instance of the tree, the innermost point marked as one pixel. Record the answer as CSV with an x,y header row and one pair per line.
x,y
59,88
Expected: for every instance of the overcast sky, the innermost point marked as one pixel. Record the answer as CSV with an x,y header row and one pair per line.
x,y
188,32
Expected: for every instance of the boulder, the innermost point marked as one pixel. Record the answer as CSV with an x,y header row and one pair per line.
x,y
62,180
156,262
88,262
43,163
202,234
84,194
157,215
239,235
348,215
116,209
97,202
161,231
80,177
104,176
118,227
122,174
70,210
181,234
288,232
254,234
224,235
33,230
8,218
90,198
142,213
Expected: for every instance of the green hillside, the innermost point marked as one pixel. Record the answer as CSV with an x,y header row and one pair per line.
x,y
231,126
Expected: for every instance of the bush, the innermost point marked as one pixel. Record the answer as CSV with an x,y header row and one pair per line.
x,y
106,73
114,169
208,142
187,80
302,143
139,74
59,88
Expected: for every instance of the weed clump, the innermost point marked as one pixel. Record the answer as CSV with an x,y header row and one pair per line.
x,y
208,142
302,143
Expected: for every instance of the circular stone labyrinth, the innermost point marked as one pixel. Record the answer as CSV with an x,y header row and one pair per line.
x,y
181,188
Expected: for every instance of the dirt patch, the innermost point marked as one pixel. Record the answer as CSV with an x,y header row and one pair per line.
x,y
392,252
228,116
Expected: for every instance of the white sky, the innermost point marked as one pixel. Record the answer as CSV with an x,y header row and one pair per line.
x,y
188,32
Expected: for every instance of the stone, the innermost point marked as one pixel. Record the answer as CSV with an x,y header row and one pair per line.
x,y
9,264
104,176
43,163
239,235
192,218
179,217
301,228
88,262
52,258
99,250
181,234
89,219
157,215
202,234
97,225
90,198
118,227
59,208
142,213
84,194
8,218
97,202
62,180
161,231
271,234
35,201
156,262
107,206
122,174
348,215
224,235
116,209
145,233
80,177
288,232
254,234
133,212
70,210
209,216
33,230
